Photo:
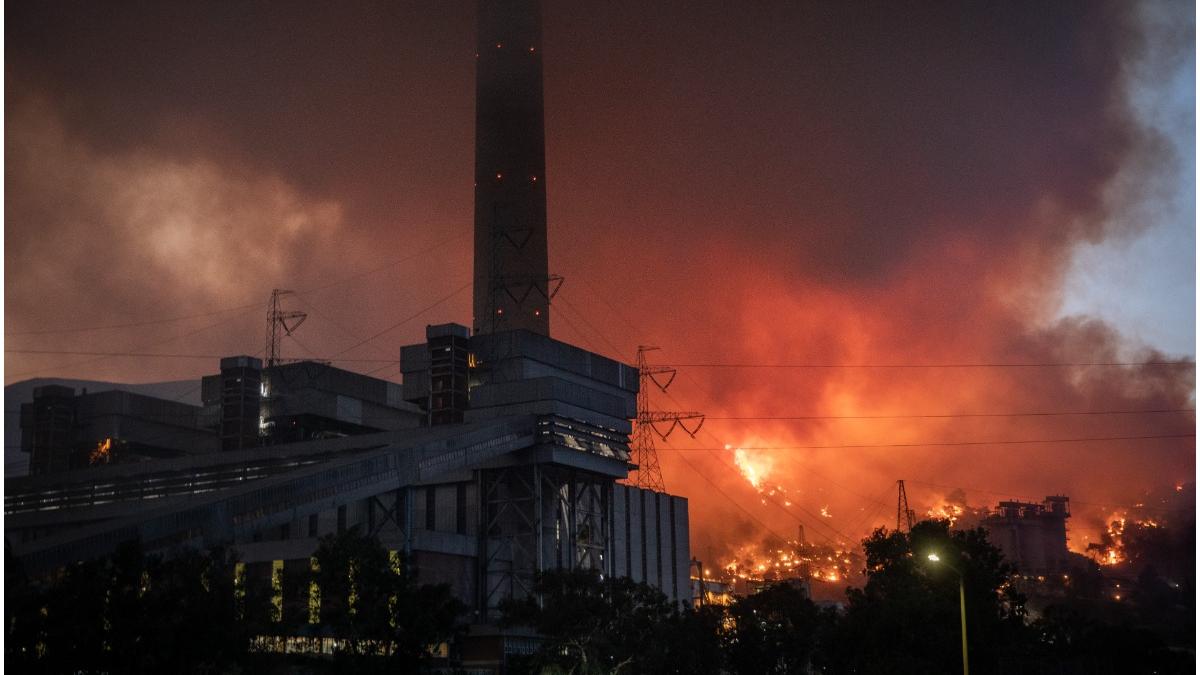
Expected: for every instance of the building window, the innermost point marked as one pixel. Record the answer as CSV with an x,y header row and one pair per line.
x,y
341,519
277,590
312,525
314,593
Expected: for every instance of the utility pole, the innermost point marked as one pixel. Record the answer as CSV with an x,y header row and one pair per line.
x,y
280,322
904,515
650,422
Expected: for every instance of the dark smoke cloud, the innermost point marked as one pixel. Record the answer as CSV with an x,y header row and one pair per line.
x,y
769,182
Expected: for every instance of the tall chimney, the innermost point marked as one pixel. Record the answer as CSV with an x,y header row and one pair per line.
x,y
511,277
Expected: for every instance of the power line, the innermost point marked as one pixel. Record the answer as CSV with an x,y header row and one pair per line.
x,y
135,324
405,320
1079,364
312,309
735,502
950,443
1073,501
151,322
719,457
384,266
959,415
152,344
171,356
918,416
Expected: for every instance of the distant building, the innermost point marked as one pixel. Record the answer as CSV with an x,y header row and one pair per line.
x,y
1032,536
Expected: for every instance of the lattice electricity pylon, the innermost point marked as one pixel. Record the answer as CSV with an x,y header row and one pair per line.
x,y
650,423
277,319
904,515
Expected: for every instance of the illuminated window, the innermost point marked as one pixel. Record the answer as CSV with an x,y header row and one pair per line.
x,y
277,590
314,594
352,596
239,588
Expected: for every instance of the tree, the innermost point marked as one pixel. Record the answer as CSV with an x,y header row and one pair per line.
x,y
371,598
185,613
610,625
130,613
1075,642
776,630
906,617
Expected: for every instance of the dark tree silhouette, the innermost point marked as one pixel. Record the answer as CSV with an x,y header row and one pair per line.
x,y
370,598
130,613
777,630
611,625
906,617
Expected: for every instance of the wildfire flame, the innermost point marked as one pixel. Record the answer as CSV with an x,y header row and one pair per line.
x,y
1111,549
819,562
950,512
755,469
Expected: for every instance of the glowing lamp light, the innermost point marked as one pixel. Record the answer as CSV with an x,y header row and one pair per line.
x,y
537,312
500,311
499,175
934,557
499,45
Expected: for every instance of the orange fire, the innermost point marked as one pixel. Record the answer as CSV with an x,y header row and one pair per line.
x,y
950,512
795,560
102,454
1111,549
755,469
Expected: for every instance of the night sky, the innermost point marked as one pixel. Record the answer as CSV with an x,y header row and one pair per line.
x,y
825,183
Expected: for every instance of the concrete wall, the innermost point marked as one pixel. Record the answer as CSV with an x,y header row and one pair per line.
x,y
650,540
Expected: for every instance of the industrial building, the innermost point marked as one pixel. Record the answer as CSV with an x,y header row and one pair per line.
x,y
300,401
62,430
498,456
1032,536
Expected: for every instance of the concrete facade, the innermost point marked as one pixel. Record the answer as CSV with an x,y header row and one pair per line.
x,y
1032,536
63,431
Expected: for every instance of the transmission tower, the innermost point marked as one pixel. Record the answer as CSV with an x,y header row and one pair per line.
x,y
650,423
280,322
905,517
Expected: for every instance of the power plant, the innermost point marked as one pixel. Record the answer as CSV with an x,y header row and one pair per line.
x,y
498,456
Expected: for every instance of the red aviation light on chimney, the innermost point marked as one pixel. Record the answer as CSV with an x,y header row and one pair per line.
x,y
510,154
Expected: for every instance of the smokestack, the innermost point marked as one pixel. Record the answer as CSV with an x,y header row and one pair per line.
x,y
511,277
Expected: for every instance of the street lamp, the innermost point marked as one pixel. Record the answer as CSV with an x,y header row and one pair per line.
x,y
962,607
